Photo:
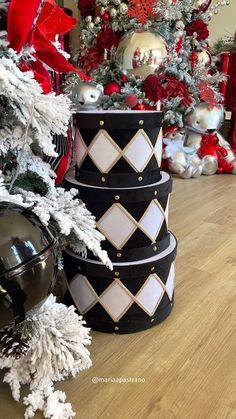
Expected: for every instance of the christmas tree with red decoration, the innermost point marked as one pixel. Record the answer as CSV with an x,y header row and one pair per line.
x,y
149,52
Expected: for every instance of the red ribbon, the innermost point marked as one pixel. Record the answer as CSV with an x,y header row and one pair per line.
x,y
51,21
20,19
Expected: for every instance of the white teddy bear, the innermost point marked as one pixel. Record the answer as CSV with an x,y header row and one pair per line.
x,y
201,124
181,160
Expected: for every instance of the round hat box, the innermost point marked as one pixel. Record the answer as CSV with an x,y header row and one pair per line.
x,y
133,220
133,297
118,148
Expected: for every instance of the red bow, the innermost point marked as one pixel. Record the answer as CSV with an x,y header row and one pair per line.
x,y
51,21
209,139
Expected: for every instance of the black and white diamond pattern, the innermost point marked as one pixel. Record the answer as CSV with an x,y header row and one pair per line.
x,y
105,152
116,299
118,225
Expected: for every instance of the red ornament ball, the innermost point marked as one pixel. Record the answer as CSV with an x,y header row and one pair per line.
x,y
105,17
111,87
139,107
131,100
124,78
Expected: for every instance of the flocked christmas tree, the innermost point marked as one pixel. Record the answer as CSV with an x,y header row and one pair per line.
x,y
30,114
178,69
50,344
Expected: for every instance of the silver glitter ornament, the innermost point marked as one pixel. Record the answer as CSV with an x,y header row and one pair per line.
x,y
97,20
113,12
88,19
123,8
90,25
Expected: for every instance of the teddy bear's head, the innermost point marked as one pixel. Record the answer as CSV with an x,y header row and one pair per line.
x,y
85,95
205,119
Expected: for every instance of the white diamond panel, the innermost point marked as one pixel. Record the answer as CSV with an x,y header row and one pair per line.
x,y
103,151
170,282
152,220
158,148
116,301
139,151
80,148
117,226
150,295
82,293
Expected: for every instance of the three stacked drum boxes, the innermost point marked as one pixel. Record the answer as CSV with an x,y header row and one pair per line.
x,y
118,177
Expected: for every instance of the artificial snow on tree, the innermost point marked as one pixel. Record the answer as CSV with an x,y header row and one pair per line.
x,y
55,349
28,120
49,343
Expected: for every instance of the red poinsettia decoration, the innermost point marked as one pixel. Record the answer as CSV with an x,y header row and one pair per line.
x,y
86,7
142,10
163,86
153,88
207,94
106,39
198,27
92,58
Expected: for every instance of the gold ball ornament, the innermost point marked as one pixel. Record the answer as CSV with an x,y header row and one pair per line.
x,y
141,53
201,5
204,58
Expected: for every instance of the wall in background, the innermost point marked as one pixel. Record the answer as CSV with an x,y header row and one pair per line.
x,y
222,24
72,4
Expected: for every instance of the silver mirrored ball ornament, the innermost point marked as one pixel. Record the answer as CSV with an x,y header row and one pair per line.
x,y
141,53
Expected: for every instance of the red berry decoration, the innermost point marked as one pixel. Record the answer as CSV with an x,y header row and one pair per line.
x,y
105,17
111,87
124,78
139,107
131,100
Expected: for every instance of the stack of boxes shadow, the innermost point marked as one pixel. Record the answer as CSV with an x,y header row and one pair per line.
x,y
118,177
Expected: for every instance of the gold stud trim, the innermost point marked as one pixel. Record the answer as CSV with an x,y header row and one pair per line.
x,y
116,328
101,123
141,122
103,179
117,197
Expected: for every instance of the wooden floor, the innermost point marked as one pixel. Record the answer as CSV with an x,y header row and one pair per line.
x,y
189,361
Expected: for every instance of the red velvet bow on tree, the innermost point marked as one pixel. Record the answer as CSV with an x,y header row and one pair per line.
x,y
50,21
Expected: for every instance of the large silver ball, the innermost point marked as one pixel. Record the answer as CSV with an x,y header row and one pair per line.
x,y
27,262
141,53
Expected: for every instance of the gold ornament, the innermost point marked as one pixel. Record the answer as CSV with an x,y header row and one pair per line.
x,y
141,53
204,58
201,4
